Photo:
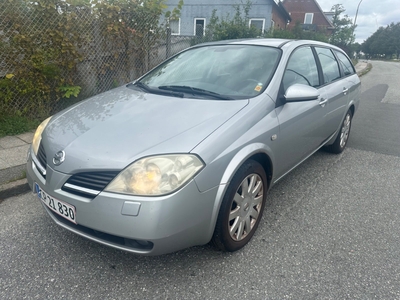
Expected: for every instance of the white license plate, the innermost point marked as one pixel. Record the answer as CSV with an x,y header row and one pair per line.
x,y
65,210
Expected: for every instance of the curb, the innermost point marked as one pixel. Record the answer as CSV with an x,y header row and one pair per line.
x,y
365,70
13,182
14,188
12,174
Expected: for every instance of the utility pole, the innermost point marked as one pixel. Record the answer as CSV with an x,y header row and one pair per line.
x,y
355,22
355,19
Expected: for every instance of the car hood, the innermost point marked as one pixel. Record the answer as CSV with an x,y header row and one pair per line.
x,y
111,130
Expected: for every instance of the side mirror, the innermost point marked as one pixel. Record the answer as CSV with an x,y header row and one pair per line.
x,y
301,92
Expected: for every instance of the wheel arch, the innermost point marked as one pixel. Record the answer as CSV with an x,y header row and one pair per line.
x,y
352,108
258,152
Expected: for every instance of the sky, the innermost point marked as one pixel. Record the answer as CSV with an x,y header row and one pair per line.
x,y
372,14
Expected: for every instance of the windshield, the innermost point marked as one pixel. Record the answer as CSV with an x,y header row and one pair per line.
x,y
214,72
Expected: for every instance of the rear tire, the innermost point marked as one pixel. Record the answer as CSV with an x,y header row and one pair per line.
x,y
343,135
242,207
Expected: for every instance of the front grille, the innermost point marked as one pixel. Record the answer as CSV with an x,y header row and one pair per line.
x,y
89,184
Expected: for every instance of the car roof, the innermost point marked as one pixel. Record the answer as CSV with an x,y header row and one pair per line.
x,y
271,42
255,41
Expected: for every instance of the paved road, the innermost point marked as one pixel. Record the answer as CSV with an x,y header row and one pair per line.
x,y
377,124
331,230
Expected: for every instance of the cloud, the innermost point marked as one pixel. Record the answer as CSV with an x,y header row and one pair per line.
x,y
372,14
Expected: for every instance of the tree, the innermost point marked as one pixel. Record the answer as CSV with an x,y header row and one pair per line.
x,y
297,32
393,35
343,34
356,48
384,42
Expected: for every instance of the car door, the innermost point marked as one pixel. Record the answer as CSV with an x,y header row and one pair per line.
x,y
334,89
301,123
349,75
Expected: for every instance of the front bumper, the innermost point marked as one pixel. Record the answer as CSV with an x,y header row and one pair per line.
x,y
162,224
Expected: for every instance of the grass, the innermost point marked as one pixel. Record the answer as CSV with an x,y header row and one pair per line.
x,y
12,125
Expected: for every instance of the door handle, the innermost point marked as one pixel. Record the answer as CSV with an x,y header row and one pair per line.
x,y
323,102
345,90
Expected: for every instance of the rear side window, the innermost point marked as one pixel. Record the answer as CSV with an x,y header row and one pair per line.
x,y
345,63
301,68
329,64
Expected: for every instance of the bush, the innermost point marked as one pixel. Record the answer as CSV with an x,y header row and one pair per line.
x,y
12,125
298,33
52,51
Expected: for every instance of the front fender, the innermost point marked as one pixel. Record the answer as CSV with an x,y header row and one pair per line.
x,y
240,157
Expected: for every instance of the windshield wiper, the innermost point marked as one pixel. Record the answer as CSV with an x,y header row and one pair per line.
x,y
194,91
140,85
144,87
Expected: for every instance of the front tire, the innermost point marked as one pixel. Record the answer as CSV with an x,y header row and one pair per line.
x,y
242,207
343,136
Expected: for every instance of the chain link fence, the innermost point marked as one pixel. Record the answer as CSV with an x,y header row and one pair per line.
x,y
54,53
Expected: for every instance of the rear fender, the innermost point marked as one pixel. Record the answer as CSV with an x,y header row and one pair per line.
x,y
352,106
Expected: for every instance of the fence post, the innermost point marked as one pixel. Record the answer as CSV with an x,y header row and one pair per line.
x,y
168,43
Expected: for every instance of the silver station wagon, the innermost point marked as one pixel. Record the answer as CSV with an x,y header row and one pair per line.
x,y
186,154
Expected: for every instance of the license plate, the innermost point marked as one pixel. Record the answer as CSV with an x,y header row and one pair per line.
x,y
62,208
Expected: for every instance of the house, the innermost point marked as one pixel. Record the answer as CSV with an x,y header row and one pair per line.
x,y
309,15
280,16
329,15
195,15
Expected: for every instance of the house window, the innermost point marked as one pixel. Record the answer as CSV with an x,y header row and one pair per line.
x,y
199,26
258,23
308,18
175,26
273,25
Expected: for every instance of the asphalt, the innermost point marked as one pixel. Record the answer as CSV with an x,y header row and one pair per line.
x,y
14,149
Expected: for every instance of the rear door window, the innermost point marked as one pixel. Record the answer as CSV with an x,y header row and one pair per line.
x,y
345,64
329,64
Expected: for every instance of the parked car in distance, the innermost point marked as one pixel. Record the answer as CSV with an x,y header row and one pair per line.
x,y
185,155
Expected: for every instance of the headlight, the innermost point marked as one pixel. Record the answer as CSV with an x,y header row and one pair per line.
x,y
38,135
156,175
